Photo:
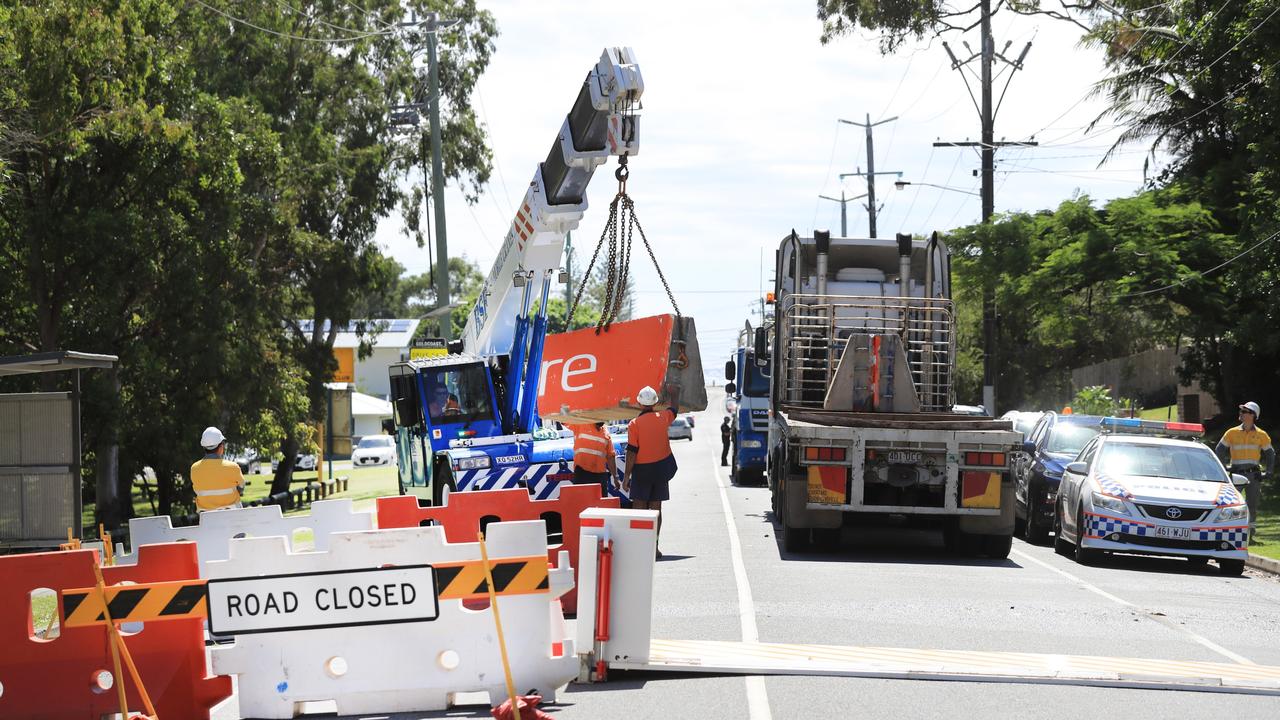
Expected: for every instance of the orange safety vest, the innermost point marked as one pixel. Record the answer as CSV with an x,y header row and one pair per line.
x,y
647,435
591,448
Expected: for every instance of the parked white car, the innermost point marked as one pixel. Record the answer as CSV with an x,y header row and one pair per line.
x,y
304,461
1151,495
679,428
375,450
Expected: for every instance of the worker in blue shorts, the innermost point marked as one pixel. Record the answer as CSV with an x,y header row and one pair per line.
x,y
650,464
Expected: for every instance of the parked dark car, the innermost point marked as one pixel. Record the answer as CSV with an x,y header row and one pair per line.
x,y
1054,442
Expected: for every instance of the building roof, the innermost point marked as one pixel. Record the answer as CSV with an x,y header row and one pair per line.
x,y
54,362
391,332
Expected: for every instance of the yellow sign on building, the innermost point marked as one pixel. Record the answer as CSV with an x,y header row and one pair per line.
x,y
346,372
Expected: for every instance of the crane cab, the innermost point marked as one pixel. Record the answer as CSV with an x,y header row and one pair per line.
x,y
439,403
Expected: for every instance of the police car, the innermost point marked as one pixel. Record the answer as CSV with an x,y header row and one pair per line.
x,y
1135,489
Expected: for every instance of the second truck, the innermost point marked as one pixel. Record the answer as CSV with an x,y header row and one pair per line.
x,y
861,360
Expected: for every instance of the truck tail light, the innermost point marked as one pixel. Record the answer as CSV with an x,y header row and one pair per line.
x,y
824,454
984,459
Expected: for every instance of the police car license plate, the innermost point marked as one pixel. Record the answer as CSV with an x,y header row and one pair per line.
x,y
905,457
1173,533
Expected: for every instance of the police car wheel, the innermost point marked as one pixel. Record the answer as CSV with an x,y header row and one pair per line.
x,y
1084,555
1034,530
1060,544
1231,568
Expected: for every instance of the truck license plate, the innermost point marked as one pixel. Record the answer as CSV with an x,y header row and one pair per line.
x,y
905,457
1175,533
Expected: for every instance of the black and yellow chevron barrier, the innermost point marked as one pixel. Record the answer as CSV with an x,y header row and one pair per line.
x,y
511,576
176,600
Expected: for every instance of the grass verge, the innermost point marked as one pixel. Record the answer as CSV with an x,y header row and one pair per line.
x,y
1266,541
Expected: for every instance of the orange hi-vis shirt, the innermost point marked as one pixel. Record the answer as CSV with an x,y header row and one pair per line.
x,y
217,483
647,435
591,448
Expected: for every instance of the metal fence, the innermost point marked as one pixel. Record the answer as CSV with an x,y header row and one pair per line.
x,y
816,328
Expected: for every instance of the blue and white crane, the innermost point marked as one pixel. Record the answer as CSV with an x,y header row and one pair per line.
x,y
469,421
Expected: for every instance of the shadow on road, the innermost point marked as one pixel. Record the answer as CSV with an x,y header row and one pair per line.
x,y
889,544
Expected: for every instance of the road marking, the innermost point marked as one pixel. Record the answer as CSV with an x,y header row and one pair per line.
x,y
757,696
1202,640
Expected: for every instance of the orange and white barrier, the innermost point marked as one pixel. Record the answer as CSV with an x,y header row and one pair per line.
x,y
463,514
388,620
70,675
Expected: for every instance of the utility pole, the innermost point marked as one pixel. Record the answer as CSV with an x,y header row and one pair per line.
x,y
871,173
433,24
844,214
987,113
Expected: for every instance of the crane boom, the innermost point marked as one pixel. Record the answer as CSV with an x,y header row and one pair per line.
x,y
601,123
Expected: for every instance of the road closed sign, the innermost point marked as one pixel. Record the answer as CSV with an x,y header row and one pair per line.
x,y
308,601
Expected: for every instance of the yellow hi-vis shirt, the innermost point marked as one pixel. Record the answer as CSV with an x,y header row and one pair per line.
x,y
217,482
1246,446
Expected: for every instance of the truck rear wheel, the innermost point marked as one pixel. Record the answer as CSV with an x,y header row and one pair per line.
x,y
794,539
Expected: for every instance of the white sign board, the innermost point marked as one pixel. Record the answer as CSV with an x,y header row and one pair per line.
x,y
276,603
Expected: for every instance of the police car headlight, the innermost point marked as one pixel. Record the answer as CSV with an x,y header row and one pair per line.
x,y
1108,503
751,443
1235,512
474,463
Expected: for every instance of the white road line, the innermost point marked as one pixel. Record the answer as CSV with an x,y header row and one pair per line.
x,y
1206,642
757,696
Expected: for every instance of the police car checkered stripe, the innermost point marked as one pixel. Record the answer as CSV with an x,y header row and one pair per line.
x,y
1111,486
1099,526
1227,495
537,477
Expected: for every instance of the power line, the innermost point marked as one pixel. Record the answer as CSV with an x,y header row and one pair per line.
x,y
290,36
1194,275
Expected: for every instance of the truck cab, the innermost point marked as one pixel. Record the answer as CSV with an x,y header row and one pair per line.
x,y
748,389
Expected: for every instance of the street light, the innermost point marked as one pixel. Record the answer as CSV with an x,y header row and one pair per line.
x,y
902,185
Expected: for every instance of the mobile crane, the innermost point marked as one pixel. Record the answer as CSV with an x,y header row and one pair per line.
x,y
469,421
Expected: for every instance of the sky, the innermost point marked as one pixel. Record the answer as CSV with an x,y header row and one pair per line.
x,y
740,135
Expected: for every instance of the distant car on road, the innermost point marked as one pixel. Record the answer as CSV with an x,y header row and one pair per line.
x,y
1023,421
1054,441
679,428
1152,495
374,450
690,419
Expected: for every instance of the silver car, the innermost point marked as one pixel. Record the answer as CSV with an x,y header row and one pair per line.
x,y
679,428
1151,495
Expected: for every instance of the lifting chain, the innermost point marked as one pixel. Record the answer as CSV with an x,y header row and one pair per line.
x,y
618,232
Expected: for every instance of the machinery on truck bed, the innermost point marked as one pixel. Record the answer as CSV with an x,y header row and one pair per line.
x,y
469,421
863,355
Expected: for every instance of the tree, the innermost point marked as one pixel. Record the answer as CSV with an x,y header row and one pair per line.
x,y
1093,400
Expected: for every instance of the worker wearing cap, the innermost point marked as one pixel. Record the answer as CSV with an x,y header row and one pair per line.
x,y
593,456
1247,449
217,481
650,464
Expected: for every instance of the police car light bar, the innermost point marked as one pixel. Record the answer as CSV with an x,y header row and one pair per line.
x,y
1150,427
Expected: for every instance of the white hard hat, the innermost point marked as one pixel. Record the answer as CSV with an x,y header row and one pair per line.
x,y
1252,407
211,438
647,396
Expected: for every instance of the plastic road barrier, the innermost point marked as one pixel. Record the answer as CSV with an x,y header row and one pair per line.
x,y
589,377
615,609
174,600
218,527
398,659
463,514
70,675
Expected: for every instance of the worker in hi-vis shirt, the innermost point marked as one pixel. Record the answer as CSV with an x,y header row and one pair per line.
x,y
217,481
1247,449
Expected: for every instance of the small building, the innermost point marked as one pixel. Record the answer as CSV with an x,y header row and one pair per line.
x,y
390,339
367,413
